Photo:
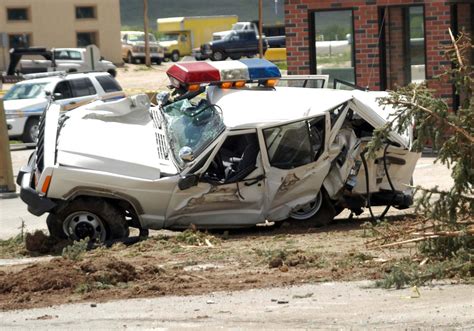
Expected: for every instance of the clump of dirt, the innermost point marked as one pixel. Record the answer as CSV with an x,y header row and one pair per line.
x,y
39,242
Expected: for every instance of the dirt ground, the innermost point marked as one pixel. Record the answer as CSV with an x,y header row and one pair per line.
x,y
188,263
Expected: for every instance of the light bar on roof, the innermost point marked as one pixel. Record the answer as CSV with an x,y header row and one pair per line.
x,y
194,74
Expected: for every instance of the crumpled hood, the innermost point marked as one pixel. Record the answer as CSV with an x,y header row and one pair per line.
x,y
25,105
113,137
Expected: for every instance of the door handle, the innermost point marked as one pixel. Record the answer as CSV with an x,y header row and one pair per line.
x,y
254,180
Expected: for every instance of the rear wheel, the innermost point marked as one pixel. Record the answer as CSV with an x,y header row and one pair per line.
x,y
88,217
235,57
30,134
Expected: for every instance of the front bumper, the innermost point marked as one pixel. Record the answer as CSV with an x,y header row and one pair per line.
x,y
37,205
140,55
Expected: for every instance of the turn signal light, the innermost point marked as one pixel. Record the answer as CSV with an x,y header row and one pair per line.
x,y
239,83
226,84
271,82
193,87
46,183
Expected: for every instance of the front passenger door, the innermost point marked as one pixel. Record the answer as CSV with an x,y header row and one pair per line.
x,y
230,190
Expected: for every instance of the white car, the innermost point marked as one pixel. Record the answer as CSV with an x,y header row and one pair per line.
x,y
234,158
26,101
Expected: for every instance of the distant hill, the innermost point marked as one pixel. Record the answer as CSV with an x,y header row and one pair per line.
x,y
246,10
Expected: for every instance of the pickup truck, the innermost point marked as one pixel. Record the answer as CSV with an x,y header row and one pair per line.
x,y
239,26
68,60
234,45
133,47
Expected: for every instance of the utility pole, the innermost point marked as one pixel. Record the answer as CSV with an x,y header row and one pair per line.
x,y
147,44
7,185
260,24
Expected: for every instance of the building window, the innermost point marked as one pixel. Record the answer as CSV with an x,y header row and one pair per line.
x,y
84,12
416,36
86,38
17,14
334,41
19,40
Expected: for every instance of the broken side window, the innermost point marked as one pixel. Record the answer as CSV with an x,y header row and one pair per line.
x,y
293,145
235,160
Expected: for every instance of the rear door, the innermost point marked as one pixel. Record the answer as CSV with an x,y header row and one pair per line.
x,y
75,92
296,164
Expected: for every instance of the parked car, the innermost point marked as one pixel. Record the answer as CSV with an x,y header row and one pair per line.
x,y
133,47
234,45
238,157
26,101
65,59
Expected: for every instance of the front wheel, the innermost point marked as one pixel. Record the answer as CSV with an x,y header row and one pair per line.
x,y
91,218
112,72
130,58
175,56
318,212
218,56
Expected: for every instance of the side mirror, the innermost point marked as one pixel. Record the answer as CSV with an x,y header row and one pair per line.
x,y
188,181
57,96
186,154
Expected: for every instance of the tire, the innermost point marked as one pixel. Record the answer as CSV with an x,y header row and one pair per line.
x,y
320,211
250,56
30,133
175,56
158,61
112,72
88,217
235,57
130,58
218,56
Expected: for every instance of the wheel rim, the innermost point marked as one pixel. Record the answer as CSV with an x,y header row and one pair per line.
x,y
34,131
308,210
218,56
175,57
82,224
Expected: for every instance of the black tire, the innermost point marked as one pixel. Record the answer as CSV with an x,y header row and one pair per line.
x,y
30,133
112,72
235,57
250,56
130,58
175,56
324,215
218,56
77,217
158,61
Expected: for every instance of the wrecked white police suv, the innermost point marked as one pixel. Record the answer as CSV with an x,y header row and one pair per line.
x,y
241,154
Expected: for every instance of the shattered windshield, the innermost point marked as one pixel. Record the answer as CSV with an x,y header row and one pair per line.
x,y
194,126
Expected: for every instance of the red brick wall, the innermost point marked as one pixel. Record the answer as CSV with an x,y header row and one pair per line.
x,y
366,31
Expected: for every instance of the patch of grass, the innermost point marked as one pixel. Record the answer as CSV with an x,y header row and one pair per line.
x,y
196,238
13,247
282,65
76,251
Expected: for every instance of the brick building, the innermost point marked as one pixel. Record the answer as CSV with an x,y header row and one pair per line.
x,y
375,43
